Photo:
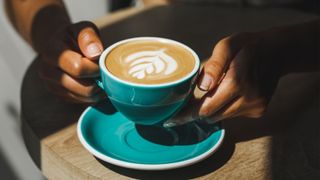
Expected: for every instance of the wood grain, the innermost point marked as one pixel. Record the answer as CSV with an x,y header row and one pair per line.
x,y
282,145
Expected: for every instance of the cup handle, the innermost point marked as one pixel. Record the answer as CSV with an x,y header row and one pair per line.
x,y
99,82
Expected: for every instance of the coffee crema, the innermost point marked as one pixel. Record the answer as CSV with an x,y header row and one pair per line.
x,y
150,62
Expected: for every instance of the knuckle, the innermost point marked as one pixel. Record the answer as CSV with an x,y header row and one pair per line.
x,y
213,67
237,107
77,69
86,34
261,111
257,112
223,43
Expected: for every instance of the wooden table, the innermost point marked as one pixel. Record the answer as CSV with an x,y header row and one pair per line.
x,y
283,144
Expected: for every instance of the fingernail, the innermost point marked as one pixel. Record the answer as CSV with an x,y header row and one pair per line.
x,y
206,82
94,49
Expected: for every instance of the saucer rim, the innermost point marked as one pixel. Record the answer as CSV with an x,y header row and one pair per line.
x,y
142,166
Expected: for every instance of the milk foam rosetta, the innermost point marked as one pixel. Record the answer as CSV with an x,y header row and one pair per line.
x,y
150,62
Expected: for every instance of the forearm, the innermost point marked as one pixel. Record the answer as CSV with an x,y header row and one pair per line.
x,y
283,50
296,47
25,17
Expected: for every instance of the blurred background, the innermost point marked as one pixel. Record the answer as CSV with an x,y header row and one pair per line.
x,y
15,56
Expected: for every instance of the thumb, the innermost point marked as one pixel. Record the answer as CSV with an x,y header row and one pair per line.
x,y
88,40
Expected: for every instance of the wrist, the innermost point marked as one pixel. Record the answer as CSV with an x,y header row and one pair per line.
x,y
295,47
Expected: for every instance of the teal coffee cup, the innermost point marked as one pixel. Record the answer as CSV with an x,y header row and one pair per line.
x,y
147,104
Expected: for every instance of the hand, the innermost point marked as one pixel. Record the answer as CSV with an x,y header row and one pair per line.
x,y
231,79
70,62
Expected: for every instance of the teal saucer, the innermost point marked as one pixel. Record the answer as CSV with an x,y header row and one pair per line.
x,y
108,135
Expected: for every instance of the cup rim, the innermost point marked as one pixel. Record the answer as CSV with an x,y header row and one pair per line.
x,y
109,74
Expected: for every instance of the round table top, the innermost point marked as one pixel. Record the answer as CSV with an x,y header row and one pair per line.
x,y
282,144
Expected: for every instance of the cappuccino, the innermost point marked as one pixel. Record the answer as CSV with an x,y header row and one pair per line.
x,y
150,62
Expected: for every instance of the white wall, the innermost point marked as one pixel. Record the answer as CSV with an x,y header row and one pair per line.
x,y
15,56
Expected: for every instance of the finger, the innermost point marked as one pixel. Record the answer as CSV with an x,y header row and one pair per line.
x,y
81,87
89,43
88,40
232,109
216,65
222,55
74,64
70,97
241,106
223,94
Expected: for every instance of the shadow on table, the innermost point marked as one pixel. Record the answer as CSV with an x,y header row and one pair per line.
x,y
295,148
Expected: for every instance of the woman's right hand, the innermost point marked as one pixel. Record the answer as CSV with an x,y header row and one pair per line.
x,y
70,62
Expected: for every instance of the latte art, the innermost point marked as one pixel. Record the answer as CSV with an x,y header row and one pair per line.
x,y
150,62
